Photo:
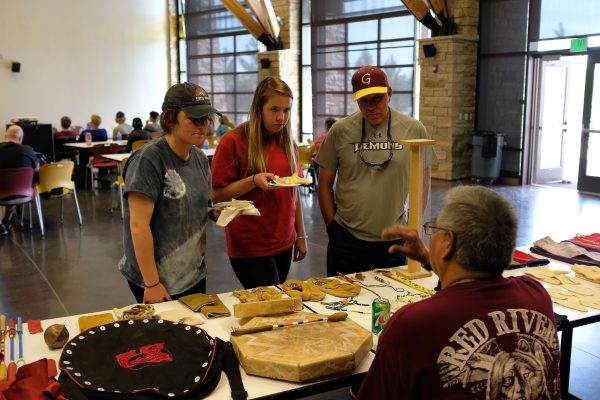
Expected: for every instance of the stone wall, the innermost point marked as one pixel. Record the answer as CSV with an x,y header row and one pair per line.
x,y
285,63
448,87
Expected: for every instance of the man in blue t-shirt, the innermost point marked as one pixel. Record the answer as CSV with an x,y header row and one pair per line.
x,y
13,154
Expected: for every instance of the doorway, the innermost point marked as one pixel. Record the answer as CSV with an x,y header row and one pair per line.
x,y
589,162
557,129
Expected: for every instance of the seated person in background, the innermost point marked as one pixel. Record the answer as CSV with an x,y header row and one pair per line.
x,y
152,125
98,134
482,336
13,154
137,134
65,131
122,128
225,125
321,136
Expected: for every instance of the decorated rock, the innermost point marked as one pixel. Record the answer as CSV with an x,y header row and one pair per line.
x,y
56,336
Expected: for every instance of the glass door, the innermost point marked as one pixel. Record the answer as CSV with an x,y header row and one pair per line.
x,y
552,124
589,161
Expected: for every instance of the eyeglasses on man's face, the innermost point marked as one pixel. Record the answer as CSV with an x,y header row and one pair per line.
x,y
372,101
429,228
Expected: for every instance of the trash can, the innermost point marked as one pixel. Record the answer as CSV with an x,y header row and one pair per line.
x,y
487,155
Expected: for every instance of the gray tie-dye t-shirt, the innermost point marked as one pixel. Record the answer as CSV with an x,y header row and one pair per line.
x,y
180,191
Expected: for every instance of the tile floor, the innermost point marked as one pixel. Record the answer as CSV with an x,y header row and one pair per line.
x,y
73,270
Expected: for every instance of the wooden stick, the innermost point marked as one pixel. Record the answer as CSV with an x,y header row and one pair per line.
x,y
12,367
3,371
352,281
339,316
20,361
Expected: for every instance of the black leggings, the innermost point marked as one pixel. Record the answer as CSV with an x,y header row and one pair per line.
x,y
262,271
138,292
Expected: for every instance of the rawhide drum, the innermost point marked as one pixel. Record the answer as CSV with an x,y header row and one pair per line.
x,y
301,352
139,359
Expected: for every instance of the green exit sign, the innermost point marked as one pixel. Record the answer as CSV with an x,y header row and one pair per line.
x,y
579,44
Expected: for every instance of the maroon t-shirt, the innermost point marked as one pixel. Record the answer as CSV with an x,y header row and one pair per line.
x,y
273,231
487,339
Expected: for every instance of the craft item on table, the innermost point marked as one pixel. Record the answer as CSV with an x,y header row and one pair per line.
x,y
232,209
302,353
143,359
566,279
34,326
289,181
267,307
522,259
210,305
257,294
33,381
587,272
20,360
589,242
56,336
181,316
352,281
334,287
12,367
409,283
591,301
581,290
3,371
306,291
135,311
565,251
570,302
91,321
385,283
337,317
545,274
359,276
576,297
340,305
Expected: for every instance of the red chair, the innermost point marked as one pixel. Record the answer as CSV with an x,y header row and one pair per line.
x,y
16,189
98,162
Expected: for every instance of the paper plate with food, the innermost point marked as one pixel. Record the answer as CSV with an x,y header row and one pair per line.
x,y
289,181
231,203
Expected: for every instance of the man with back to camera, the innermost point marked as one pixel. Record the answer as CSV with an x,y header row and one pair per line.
x,y
14,154
122,128
152,125
482,336
372,176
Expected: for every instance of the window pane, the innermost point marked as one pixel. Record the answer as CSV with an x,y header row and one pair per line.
x,y
364,31
245,43
199,65
247,63
398,53
331,57
402,102
223,64
331,34
306,113
224,102
334,80
361,55
560,18
306,45
246,82
351,106
398,27
222,84
223,44
204,81
400,79
331,104
198,47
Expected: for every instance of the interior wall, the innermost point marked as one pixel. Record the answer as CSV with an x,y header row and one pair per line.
x,y
82,57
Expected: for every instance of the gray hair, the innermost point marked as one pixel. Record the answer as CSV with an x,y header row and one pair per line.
x,y
485,227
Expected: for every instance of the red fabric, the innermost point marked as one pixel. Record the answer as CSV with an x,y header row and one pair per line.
x,y
522,257
475,340
32,383
319,140
591,241
272,231
34,326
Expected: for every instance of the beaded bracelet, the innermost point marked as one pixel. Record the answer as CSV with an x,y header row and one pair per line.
x,y
301,237
253,180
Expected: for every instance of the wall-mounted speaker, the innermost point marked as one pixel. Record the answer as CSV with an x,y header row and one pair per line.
x,y
265,63
429,50
16,67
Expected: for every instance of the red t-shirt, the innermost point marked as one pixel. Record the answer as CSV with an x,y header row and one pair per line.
x,y
273,231
487,339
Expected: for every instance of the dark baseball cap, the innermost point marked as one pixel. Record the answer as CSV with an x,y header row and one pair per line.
x,y
120,114
190,98
369,80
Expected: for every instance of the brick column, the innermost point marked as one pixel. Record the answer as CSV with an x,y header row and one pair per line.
x,y
448,89
285,63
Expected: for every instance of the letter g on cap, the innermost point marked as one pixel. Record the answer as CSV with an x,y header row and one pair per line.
x,y
366,79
